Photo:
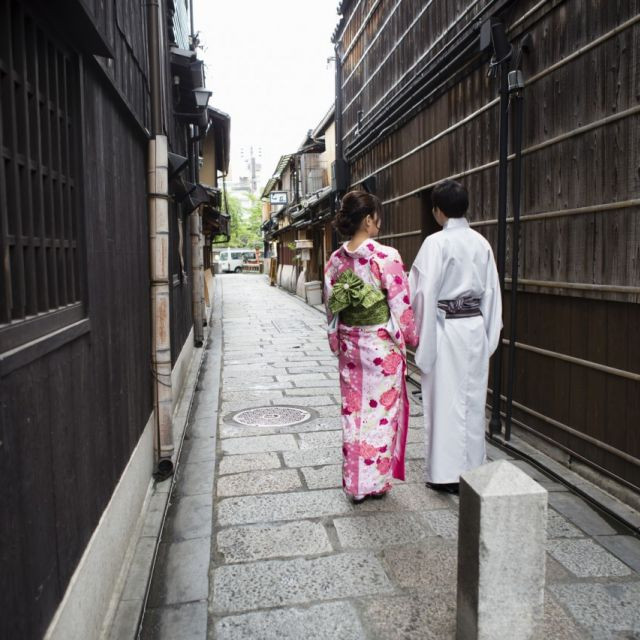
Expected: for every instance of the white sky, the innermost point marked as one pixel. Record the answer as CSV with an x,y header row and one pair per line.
x,y
266,63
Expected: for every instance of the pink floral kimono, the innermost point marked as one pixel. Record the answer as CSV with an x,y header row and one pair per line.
x,y
372,365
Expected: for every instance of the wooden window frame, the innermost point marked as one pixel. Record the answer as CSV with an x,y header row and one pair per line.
x,y
42,277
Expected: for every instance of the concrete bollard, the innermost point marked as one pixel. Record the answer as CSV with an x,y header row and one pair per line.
x,y
501,554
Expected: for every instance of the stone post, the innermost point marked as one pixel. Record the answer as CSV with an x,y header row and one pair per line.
x,y
501,554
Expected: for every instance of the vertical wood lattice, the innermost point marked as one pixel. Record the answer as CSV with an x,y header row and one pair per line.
x,y
38,140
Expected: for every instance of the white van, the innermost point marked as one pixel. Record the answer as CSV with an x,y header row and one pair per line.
x,y
231,260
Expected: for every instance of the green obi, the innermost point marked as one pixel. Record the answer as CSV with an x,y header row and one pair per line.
x,y
358,304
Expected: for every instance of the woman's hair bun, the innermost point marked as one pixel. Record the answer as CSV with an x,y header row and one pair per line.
x,y
355,206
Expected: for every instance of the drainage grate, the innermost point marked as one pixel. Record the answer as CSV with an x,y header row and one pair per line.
x,y
271,416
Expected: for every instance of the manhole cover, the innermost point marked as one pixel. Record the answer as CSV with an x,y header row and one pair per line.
x,y
271,416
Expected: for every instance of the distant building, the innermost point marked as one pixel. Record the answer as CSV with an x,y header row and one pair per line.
x,y
299,203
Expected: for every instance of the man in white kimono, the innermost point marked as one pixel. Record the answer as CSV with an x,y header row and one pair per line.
x,y
455,294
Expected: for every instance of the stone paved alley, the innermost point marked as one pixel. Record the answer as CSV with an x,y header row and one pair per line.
x,y
287,556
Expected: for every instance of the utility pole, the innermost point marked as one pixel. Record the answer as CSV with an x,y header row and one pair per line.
x,y
252,167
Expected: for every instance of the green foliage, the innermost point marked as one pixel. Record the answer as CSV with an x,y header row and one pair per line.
x,y
245,222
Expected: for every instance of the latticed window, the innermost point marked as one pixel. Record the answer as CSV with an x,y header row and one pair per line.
x,y
40,288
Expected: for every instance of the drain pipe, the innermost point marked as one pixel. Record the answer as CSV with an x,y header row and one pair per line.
x,y
342,178
500,64
195,225
158,198
197,245
197,280
516,90
515,81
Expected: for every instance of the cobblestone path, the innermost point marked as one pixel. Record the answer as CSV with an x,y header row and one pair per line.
x,y
292,558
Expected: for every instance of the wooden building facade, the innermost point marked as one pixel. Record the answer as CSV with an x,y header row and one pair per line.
x,y
76,382
416,105
306,176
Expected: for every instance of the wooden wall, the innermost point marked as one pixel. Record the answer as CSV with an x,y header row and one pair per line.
x,y
73,407
71,416
70,419
285,253
123,25
594,413
580,235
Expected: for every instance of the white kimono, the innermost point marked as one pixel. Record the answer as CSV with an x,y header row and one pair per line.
x,y
453,354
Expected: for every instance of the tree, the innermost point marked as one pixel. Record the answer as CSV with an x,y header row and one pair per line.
x,y
245,222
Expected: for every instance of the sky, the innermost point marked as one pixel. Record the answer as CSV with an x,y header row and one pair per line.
x,y
266,63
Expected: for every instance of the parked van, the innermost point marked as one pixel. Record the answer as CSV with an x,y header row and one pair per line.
x,y
231,260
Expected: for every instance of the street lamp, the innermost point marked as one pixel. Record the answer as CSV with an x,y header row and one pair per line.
x,y
201,96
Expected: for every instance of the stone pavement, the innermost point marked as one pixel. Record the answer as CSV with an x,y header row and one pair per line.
x,y
261,543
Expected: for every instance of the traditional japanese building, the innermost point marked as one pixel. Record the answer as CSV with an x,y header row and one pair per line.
x,y
534,107
299,205
103,117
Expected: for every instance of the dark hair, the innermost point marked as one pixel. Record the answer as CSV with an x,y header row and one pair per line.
x,y
354,208
451,198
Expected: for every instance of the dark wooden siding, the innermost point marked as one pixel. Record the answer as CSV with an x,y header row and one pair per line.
x,y
580,238
591,412
285,253
124,26
70,419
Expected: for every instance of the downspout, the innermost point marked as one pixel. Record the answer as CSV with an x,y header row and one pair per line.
x,y
201,243
500,63
158,198
341,167
515,241
197,276
197,290
516,90
195,227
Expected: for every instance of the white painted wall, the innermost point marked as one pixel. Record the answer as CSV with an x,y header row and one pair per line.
x,y
86,601
181,368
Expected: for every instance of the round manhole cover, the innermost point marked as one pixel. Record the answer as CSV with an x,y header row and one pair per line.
x,y
271,416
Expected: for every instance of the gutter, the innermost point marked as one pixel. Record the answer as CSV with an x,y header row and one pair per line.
x,y
159,242
197,286
342,179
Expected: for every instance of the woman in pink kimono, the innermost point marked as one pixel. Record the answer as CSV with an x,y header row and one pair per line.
x,y
370,322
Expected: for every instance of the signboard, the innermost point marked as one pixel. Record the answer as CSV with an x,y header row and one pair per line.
x,y
279,197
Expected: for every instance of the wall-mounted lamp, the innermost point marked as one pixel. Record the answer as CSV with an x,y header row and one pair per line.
x,y
202,96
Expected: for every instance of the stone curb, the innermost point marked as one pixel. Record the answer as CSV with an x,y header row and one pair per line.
x,y
582,487
129,614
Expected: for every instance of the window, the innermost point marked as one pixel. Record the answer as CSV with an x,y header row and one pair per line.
x,y
236,255
40,289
